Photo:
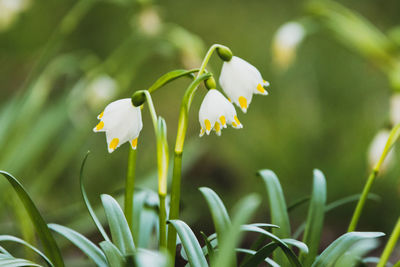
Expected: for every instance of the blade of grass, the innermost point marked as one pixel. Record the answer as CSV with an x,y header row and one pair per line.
x,y
49,244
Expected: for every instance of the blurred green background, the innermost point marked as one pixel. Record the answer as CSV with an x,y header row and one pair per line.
x,y
59,69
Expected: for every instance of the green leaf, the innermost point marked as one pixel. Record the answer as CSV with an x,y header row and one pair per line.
x,y
277,203
49,244
84,244
278,209
210,249
315,219
20,241
260,255
340,246
190,244
250,252
353,256
10,261
4,251
286,249
298,203
87,202
244,210
120,232
169,77
218,211
113,255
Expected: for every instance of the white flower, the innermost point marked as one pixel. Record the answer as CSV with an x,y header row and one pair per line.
x,y
395,109
122,122
216,112
240,80
376,148
285,42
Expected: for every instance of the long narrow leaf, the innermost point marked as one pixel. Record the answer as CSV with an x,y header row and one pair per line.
x,y
315,219
20,241
244,210
250,253
340,246
49,244
190,244
87,202
218,211
261,255
84,244
113,255
278,209
10,261
120,232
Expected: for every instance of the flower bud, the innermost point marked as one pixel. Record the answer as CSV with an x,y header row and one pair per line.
x,y
210,83
224,53
376,149
138,98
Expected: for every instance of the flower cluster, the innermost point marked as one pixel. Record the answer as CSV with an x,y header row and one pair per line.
x,y
122,121
239,81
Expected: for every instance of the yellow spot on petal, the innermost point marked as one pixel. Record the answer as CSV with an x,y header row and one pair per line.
x,y
208,125
217,127
134,143
260,88
114,143
230,100
223,120
234,124
237,120
202,131
243,102
101,115
99,126
264,81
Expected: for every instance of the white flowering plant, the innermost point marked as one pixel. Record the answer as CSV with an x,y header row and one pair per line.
x,y
145,231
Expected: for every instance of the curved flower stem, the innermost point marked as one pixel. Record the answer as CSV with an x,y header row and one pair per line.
x,y
390,245
129,188
393,137
361,202
180,139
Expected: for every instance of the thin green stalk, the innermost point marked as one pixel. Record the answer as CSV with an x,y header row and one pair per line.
x,y
130,188
390,245
361,202
162,162
180,139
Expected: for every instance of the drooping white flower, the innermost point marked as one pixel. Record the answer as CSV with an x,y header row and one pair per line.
x,y
376,148
395,109
122,122
240,80
285,42
216,112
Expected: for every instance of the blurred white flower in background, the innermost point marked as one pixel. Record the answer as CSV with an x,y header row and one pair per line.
x,y
395,109
101,90
10,10
285,42
376,148
149,21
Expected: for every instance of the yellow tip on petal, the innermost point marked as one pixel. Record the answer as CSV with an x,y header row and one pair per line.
x,y
134,143
234,124
100,126
223,120
237,120
243,103
101,115
230,100
260,88
217,128
208,125
114,143
202,131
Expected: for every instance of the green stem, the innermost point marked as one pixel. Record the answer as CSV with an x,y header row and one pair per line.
x,y
130,188
162,158
390,245
361,202
180,139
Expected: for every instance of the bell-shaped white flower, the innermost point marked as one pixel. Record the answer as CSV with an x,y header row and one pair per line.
x,y
216,112
376,148
240,80
122,122
285,42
